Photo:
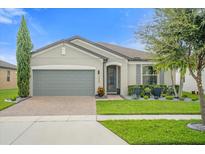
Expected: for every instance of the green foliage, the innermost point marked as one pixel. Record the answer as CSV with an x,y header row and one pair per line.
x,y
164,95
147,90
156,131
4,94
23,55
193,97
169,97
131,88
176,39
146,97
13,98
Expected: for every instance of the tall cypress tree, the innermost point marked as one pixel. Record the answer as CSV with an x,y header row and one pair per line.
x,y
23,55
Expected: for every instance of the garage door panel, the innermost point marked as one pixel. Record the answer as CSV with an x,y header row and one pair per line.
x,y
63,83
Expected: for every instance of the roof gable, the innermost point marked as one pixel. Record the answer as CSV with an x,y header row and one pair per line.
x,y
71,44
128,53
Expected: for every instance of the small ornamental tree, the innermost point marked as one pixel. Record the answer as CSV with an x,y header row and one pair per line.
x,y
177,38
23,55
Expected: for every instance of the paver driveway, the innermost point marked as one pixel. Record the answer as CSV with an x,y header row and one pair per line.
x,y
55,105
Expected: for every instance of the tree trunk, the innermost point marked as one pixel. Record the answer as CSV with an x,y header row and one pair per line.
x,y
201,95
173,85
181,85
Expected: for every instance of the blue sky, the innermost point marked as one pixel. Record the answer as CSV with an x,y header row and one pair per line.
x,y
115,26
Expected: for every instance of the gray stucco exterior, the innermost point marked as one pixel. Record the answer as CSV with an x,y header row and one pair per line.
x,y
82,55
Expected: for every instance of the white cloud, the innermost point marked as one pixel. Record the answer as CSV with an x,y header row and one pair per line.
x,y
10,58
4,43
5,20
7,16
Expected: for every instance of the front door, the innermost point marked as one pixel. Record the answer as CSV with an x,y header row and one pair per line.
x,y
111,79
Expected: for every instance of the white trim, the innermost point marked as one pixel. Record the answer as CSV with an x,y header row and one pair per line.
x,y
120,57
141,62
64,44
113,63
63,67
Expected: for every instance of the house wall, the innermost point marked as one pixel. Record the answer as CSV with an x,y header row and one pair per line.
x,y
76,57
113,60
4,84
167,77
132,73
73,57
190,83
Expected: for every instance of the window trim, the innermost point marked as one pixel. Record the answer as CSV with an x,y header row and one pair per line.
x,y
8,76
142,79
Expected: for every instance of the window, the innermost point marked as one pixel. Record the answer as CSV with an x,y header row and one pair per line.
x,y
8,76
149,75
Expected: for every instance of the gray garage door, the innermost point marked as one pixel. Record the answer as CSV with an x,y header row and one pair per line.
x,y
63,83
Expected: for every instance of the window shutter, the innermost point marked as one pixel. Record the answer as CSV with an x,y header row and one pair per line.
x,y
138,74
161,77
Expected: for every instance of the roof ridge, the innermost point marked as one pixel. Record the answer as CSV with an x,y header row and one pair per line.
x,y
121,46
94,53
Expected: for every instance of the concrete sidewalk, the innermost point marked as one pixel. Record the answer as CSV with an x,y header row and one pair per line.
x,y
67,129
55,130
148,117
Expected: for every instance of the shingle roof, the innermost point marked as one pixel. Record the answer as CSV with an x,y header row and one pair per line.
x,y
4,64
128,53
133,54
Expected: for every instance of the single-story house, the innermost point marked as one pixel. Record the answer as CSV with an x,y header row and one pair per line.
x,y
77,66
7,75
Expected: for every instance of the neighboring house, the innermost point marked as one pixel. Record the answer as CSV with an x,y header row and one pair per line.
x,y
7,75
190,83
77,66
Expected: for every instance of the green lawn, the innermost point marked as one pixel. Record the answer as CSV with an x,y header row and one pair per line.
x,y
156,131
7,93
147,107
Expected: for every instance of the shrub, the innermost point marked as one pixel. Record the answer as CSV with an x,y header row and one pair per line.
x,y
147,90
101,91
194,99
185,95
163,95
13,98
131,89
146,97
164,88
170,97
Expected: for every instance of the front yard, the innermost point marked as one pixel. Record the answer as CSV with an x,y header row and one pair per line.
x,y
147,107
7,93
156,131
